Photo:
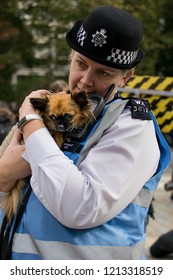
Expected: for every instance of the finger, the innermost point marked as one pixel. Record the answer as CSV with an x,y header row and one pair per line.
x,y
39,93
61,92
17,137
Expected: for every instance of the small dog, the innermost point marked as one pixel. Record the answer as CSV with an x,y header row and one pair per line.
x,y
61,113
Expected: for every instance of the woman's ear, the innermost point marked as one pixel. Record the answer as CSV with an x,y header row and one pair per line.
x,y
127,75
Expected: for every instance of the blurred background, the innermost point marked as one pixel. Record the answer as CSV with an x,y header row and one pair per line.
x,y
33,50
34,54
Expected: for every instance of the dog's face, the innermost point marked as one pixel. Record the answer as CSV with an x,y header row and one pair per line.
x,y
61,112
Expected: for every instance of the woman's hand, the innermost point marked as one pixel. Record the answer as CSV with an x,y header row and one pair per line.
x,y
26,107
12,165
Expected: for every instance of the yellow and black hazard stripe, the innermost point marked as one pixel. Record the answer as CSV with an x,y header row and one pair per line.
x,y
162,106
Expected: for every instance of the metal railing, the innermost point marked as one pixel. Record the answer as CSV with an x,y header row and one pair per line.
x,y
138,91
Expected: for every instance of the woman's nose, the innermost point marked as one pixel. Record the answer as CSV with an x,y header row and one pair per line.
x,y
87,79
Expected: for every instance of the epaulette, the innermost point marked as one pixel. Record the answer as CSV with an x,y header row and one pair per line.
x,y
140,108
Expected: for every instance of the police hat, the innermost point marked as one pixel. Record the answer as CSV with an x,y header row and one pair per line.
x,y
109,36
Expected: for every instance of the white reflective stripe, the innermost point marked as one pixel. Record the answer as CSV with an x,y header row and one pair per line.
x,y
107,121
138,251
143,198
52,250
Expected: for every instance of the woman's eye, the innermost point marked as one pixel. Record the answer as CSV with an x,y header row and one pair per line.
x,y
104,74
80,64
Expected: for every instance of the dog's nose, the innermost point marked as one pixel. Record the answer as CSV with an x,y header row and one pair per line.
x,y
60,127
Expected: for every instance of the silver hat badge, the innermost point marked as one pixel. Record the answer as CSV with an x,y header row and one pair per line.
x,y
99,38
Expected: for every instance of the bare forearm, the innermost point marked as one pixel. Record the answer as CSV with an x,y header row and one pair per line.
x,y
12,165
5,181
6,186
10,173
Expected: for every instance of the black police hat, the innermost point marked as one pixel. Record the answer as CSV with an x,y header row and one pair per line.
x,y
109,36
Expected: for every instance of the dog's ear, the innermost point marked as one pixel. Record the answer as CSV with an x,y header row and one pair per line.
x,y
81,99
39,103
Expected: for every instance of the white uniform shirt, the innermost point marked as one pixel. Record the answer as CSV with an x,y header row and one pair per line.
x,y
107,180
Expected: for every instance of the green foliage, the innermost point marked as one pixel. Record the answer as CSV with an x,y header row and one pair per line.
x,y
32,34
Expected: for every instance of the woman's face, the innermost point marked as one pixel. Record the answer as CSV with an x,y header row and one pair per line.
x,y
87,75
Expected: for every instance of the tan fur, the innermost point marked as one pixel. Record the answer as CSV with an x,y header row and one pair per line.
x,y
59,104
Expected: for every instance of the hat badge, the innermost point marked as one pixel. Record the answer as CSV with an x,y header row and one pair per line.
x,y
99,38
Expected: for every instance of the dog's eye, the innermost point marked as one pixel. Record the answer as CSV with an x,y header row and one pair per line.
x,y
53,117
68,117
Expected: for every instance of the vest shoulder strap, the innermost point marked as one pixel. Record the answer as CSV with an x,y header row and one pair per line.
x,y
140,107
112,113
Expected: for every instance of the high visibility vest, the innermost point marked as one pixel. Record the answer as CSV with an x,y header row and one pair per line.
x,y
40,236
